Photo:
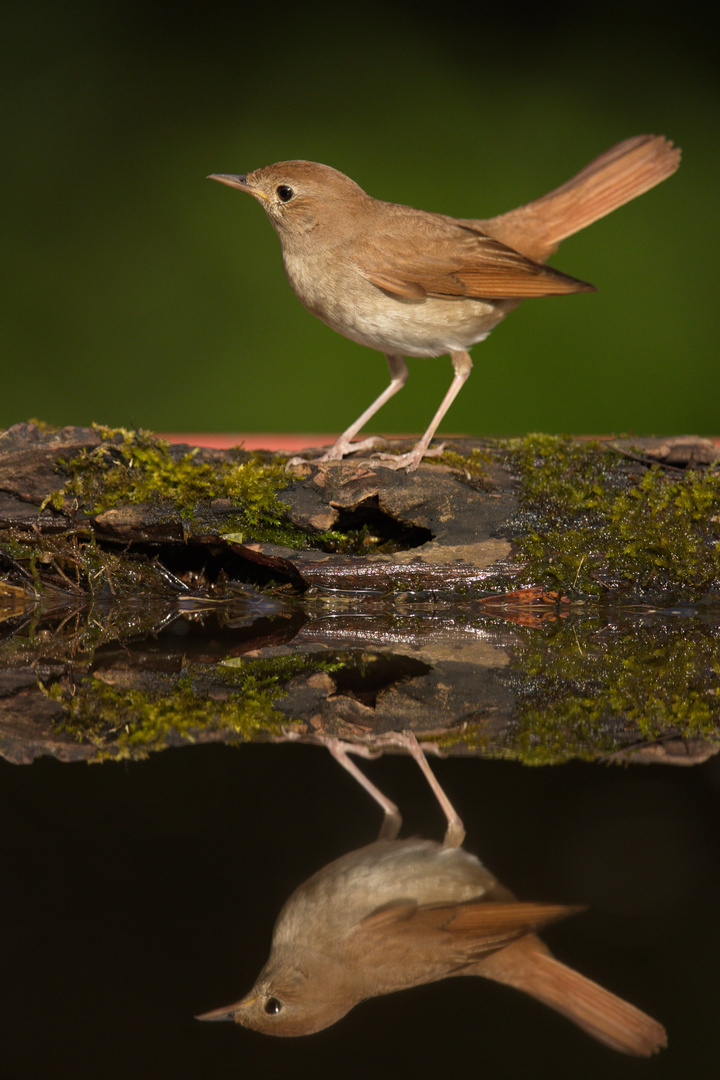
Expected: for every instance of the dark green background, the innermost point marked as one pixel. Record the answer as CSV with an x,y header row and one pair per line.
x,y
135,292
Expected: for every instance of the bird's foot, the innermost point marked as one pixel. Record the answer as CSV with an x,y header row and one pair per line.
x,y
409,461
343,447
293,462
338,451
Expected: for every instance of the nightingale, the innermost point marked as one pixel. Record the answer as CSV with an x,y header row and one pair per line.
x,y
399,913
413,283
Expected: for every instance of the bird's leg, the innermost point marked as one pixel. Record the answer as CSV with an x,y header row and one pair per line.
x,y
462,366
455,832
392,821
344,445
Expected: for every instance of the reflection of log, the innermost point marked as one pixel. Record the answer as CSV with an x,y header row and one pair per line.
x,y
484,520
484,688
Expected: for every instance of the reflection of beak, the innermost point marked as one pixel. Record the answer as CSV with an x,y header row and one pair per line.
x,y
225,1012
239,182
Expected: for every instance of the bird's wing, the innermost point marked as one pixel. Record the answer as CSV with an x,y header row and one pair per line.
x,y
456,934
434,256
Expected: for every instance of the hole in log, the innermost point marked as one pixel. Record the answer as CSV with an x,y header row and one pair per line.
x,y
365,680
369,528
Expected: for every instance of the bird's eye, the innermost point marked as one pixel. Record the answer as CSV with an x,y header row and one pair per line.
x,y
273,1006
284,194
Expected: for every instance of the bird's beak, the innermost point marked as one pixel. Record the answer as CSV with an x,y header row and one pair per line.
x,y
227,1012
239,182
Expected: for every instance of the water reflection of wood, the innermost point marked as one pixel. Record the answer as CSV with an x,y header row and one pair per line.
x,y
400,913
128,681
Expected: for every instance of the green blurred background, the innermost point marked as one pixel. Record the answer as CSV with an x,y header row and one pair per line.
x,y
135,292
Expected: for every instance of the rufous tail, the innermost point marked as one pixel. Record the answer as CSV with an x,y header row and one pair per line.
x,y
617,176
529,966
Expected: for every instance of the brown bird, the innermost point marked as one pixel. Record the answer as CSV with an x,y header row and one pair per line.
x,y
414,283
400,913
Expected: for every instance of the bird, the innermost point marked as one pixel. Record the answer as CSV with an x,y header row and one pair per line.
x,y
415,283
396,914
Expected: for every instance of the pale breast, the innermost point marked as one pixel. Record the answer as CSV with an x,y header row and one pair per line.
x,y
335,292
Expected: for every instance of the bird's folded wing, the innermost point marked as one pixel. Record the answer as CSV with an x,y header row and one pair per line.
x,y
461,932
442,259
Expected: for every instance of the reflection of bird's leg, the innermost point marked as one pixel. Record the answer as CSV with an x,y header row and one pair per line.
x,y
455,832
392,822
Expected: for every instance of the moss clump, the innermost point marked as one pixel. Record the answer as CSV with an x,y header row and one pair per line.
x,y
561,474
362,540
133,467
468,734
130,723
669,530
589,689
592,523
473,465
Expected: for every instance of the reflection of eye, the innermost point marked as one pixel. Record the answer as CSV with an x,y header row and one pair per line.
x,y
273,1006
284,194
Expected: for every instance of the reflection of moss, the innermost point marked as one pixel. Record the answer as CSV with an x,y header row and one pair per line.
x,y
470,735
588,690
590,526
124,722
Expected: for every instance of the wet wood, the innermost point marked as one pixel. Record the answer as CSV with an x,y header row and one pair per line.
x,y
451,530
436,628
468,683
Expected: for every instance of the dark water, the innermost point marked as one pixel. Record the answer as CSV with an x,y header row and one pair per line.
x,y
137,894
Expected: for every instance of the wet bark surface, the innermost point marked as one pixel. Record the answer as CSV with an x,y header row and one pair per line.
x,y
129,628
447,528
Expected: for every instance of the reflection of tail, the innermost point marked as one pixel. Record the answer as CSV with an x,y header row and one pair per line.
x,y
618,175
528,965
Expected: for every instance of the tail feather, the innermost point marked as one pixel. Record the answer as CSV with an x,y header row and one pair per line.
x,y
529,966
617,176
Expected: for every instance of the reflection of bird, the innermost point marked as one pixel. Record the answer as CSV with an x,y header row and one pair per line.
x,y
399,913
413,283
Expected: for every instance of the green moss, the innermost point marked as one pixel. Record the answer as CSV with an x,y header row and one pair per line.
x,y
130,723
548,738
362,540
354,541
133,467
590,524
136,467
561,473
589,689
472,466
470,735
668,529
43,425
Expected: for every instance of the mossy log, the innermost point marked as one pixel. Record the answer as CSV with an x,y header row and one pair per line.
x,y
103,513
